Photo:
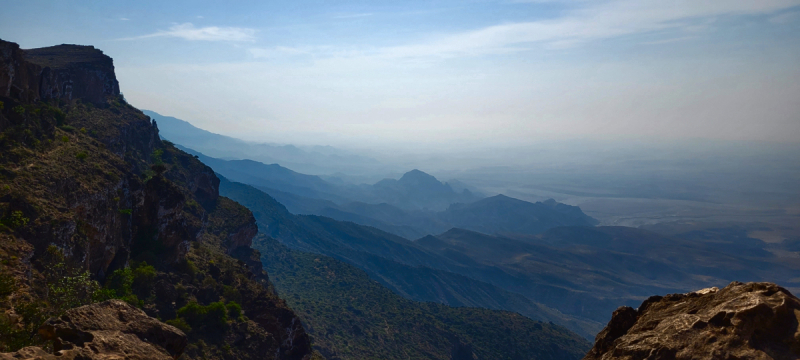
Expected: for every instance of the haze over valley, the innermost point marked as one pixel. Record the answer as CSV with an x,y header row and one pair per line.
x,y
445,180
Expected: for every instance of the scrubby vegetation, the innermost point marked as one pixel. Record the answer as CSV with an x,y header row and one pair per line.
x,y
69,176
64,286
351,316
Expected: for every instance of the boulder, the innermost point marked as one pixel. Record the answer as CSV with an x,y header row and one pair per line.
x,y
741,321
109,330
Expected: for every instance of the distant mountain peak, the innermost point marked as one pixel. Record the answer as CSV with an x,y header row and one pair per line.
x,y
419,176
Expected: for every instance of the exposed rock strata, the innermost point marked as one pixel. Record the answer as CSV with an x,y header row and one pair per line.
x,y
741,321
57,72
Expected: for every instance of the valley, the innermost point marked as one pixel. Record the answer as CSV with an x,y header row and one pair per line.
x,y
523,180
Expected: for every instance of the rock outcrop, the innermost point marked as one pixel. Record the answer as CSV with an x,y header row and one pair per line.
x,y
740,321
57,72
108,330
89,186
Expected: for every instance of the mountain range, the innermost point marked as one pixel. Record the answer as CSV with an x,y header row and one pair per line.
x,y
94,206
311,159
101,217
415,205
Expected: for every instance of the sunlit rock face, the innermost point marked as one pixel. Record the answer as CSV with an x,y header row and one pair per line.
x,y
740,321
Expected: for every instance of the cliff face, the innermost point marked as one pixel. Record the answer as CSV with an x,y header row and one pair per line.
x,y
85,176
58,72
741,321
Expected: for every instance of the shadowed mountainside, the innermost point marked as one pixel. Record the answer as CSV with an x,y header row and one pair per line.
x,y
402,207
90,196
397,263
351,316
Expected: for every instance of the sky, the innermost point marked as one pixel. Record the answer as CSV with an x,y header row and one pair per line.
x,y
462,74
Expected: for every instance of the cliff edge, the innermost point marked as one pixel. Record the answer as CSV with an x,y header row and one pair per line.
x,y
95,206
57,72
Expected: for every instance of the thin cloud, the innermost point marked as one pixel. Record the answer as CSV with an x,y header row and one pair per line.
x,y
590,23
785,18
667,41
188,31
586,22
352,16
124,19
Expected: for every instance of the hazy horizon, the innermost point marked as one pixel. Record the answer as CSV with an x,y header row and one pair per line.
x,y
446,74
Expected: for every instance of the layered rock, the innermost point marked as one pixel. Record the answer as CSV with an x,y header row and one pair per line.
x,y
740,321
58,72
108,330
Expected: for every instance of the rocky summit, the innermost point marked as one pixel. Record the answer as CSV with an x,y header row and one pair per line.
x,y
740,321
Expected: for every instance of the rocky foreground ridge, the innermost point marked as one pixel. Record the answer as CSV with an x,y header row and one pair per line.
x,y
95,206
111,329
740,321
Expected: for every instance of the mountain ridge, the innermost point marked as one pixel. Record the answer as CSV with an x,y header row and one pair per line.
x,y
94,206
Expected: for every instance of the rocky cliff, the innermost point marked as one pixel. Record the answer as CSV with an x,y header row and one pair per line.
x,y
740,321
93,205
58,72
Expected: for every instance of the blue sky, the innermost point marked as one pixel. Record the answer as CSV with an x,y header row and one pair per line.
x,y
389,73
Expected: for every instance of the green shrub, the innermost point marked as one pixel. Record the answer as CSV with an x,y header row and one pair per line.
x,y
125,283
196,315
217,314
234,310
7,285
126,211
65,139
121,282
157,156
2,105
143,277
188,267
68,286
15,220
19,110
181,324
68,128
82,155
59,115
231,294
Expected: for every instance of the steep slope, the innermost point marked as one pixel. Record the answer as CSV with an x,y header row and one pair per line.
x,y
350,316
741,321
397,263
88,193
